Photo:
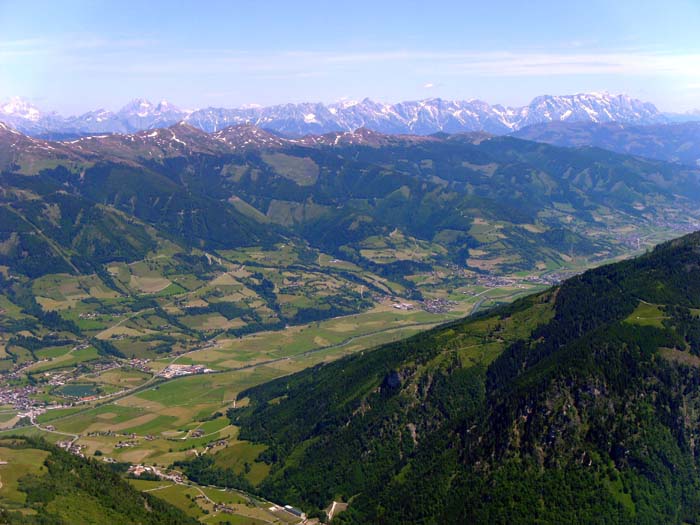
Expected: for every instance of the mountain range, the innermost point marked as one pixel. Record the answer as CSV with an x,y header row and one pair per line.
x,y
422,117
675,142
578,404
490,203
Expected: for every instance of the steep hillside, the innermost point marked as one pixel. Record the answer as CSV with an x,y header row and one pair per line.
x,y
84,205
44,484
579,404
491,204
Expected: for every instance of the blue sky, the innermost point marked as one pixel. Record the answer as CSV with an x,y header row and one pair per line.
x,y
78,55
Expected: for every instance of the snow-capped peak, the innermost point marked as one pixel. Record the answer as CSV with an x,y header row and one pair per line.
x,y
141,113
19,107
346,103
138,107
422,117
166,107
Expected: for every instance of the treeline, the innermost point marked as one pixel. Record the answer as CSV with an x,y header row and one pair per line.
x,y
202,470
227,309
35,343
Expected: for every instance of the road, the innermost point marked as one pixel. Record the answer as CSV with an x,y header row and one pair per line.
x,y
43,429
159,380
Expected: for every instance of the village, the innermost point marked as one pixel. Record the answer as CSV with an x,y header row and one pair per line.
x,y
19,397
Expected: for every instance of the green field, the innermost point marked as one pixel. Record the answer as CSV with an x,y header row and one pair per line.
x,y
647,315
19,462
198,502
168,412
68,359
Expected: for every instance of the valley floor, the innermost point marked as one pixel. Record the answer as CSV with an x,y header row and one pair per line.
x,y
151,420
152,410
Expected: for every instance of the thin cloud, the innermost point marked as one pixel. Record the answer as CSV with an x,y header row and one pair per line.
x,y
72,46
135,57
139,61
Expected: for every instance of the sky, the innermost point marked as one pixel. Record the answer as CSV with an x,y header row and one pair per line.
x,y
75,56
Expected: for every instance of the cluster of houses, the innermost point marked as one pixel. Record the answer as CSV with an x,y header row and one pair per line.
x,y
139,470
140,364
127,443
22,397
403,306
58,378
500,281
494,281
222,507
62,377
18,370
96,315
438,306
551,278
72,447
18,396
213,444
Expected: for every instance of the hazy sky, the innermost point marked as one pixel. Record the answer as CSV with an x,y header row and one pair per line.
x,y
80,55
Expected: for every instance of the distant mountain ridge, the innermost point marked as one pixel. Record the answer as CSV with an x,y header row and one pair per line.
x,y
421,117
676,142
496,204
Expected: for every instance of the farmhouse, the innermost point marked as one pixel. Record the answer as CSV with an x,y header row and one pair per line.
x,y
403,306
295,511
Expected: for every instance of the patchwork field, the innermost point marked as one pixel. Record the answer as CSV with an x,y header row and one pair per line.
x,y
168,421
248,316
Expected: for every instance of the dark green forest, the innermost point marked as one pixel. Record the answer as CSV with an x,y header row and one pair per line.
x,y
559,408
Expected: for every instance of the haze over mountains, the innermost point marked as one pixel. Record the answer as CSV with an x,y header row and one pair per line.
x,y
677,142
285,263
421,117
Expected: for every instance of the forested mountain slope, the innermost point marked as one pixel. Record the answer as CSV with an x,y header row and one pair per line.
x,y
577,405
495,204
